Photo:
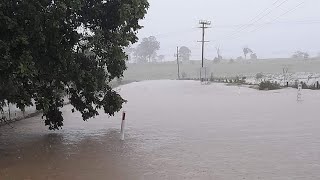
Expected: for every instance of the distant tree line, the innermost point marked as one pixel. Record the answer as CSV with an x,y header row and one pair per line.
x,y
246,51
300,55
146,52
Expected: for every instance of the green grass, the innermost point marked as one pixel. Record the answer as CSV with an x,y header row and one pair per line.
x,y
168,70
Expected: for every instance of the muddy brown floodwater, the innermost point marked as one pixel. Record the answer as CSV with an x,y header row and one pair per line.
x,y
176,130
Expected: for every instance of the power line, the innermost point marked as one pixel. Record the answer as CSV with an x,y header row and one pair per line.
x,y
268,13
191,30
287,12
278,17
257,20
265,10
279,22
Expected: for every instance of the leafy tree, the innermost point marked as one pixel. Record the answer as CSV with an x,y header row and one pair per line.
x,y
147,49
49,48
154,57
161,58
184,53
219,57
246,51
300,55
254,56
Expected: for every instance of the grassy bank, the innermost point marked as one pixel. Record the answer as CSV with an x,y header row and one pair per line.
x,y
168,70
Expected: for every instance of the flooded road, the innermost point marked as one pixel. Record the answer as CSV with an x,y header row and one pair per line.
x,y
175,130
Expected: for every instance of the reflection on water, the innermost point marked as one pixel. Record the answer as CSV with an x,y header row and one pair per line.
x,y
175,130
53,156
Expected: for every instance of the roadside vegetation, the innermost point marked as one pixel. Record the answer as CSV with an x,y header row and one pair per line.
x,y
268,85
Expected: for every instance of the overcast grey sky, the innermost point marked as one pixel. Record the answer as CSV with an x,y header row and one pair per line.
x,y
275,28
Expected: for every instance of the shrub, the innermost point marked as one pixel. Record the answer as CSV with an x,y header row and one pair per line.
x,y
305,86
212,78
240,80
239,58
183,75
259,76
268,85
216,60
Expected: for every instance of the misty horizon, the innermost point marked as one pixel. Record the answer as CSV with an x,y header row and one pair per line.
x,y
271,28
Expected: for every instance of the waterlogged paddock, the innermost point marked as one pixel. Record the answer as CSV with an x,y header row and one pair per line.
x,y
175,130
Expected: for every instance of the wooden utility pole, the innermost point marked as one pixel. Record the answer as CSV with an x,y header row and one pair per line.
x,y
285,71
204,25
178,63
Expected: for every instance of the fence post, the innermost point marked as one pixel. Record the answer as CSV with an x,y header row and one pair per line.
x,y
299,95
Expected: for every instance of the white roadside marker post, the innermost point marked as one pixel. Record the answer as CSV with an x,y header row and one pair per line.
x,y
299,95
123,123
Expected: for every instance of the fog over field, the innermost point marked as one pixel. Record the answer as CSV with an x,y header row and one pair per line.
x,y
272,28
